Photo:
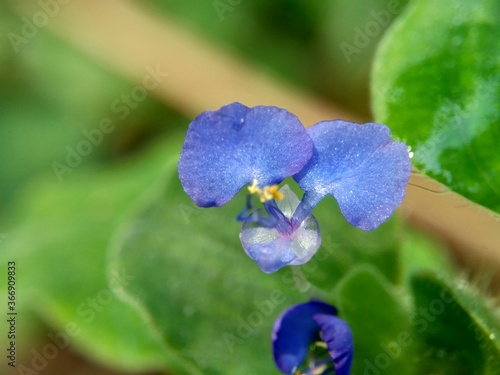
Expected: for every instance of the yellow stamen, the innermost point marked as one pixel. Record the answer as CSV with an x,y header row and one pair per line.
x,y
254,189
274,191
265,194
321,344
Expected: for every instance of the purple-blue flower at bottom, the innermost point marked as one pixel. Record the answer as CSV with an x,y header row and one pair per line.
x,y
302,331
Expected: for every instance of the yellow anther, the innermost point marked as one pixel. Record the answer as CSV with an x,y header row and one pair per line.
x,y
265,194
254,189
321,344
274,191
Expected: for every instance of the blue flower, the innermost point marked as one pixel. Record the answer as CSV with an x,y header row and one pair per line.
x,y
236,146
282,242
310,338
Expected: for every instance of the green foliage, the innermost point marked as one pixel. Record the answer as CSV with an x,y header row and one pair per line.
x,y
459,333
210,302
214,309
54,96
436,82
419,252
350,32
344,246
59,242
379,321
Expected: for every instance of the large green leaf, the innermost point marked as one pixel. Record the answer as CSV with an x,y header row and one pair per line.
x,y
384,343
211,303
436,83
59,235
459,332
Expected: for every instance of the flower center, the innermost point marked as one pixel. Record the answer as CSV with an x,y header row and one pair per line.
x,y
270,215
266,193
319,361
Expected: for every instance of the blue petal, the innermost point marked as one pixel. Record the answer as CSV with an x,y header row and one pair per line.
x,y
294,331
226,149
361,166
338,337
272,248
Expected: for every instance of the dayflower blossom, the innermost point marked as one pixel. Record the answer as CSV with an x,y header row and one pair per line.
x,y
236,146
310,338
282,241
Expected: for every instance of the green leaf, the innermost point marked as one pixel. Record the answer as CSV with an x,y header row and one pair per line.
x,y
421,253
59,236
345,246
384,343
211,303
436,83
460,333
